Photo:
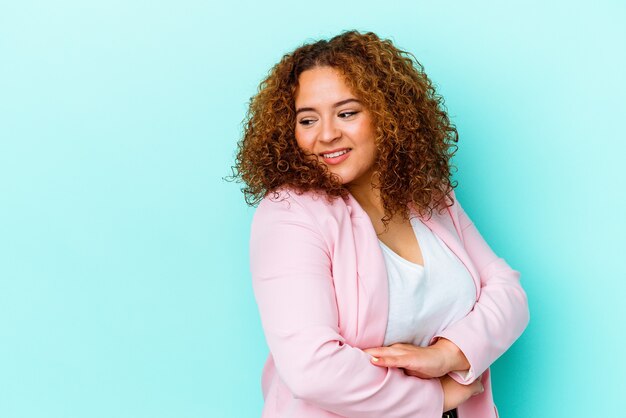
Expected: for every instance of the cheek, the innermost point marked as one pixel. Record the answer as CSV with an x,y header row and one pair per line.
x,y
372,152
304,142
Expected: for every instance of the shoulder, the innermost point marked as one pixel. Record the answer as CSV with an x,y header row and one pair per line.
x,y
453,217
449,214
454,205
296,219
284,197
446,208
457,213
297,214
286,202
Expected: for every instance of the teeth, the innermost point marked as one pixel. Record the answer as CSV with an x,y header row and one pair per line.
x,y
335,154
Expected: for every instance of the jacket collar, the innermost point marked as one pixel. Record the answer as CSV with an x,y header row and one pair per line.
x,y
444,225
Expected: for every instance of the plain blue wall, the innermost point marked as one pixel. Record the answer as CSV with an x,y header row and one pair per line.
x,y
124,281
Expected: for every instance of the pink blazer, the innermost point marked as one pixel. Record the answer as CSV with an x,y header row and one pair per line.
x,y
320,282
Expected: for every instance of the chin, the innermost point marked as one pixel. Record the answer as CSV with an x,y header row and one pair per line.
x,y
342,178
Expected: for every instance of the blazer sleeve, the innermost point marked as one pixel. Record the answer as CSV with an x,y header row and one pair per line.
x,y
500,314
291,273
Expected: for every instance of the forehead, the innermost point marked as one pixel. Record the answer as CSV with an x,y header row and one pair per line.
x,y
321,85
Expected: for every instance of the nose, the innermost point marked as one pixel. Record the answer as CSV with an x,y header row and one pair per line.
x,y
330,131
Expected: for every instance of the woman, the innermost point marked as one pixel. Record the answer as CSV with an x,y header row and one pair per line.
x,y
378,296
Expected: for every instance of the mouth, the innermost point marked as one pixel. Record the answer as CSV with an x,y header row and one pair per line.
x,y
335,157
334,154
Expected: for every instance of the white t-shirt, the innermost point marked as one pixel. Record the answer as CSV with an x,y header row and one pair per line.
x,y
423,300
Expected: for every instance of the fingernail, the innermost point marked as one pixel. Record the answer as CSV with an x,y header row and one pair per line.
x,y
375,359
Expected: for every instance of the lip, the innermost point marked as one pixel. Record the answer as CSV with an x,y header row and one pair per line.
x,y
338,159
333,150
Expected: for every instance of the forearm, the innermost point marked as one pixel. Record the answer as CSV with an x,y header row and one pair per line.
x,y
340,379
319,366
500,313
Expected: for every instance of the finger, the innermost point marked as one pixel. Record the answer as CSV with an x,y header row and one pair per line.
x,y
477,388
384,351
376,361
375,351
379,361
387,361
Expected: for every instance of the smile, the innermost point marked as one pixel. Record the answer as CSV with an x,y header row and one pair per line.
x,y
335,154
336,157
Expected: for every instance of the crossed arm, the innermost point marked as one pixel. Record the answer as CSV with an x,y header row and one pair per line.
x,y
291,268
293,286
468,347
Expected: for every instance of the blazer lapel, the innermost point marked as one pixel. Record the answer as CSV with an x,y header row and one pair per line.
x,y
372,272
373,285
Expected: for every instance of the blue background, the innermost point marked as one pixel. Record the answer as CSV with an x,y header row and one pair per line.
x,y
124,281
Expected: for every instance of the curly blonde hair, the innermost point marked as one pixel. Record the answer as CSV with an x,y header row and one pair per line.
x,y
414,136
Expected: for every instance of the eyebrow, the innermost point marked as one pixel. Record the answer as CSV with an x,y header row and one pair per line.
x,y
343,102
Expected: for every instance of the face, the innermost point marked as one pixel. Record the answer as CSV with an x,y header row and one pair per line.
x,y
333,125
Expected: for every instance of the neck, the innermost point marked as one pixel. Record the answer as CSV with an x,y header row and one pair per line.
x,y
368,196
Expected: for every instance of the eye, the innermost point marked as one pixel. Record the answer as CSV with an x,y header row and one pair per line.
x,y
347,114
306,121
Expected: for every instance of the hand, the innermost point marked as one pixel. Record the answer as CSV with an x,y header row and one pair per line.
x,y
423,362
454,393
